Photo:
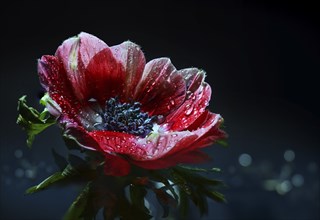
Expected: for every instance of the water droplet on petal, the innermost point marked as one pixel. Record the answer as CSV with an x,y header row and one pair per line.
x,y
188,110
172,102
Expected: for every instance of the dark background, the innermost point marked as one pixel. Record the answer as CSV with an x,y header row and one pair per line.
x,y
261,59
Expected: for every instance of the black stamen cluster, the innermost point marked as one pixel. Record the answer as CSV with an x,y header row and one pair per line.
x,y
127,117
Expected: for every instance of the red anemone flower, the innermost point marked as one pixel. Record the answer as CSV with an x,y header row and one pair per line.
x,y
109,99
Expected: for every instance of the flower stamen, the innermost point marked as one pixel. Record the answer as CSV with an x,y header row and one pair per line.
x,y
126,117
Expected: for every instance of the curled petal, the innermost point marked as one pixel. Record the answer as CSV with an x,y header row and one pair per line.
x,y
76,54
133,61
53,78
174,143
194,105
193,78
161,90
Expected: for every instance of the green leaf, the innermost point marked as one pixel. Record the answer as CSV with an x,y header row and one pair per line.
x,y
80,206
160,176
196,179
222,142
69,171
31,120
46,183
216,196
183,203
200,200
137,195
195,169
165,200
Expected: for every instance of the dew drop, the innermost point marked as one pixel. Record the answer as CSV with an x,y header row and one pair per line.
x,y
172,102
148,142
118,146
189,110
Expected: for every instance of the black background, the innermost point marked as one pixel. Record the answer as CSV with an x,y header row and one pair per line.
x,y
261,59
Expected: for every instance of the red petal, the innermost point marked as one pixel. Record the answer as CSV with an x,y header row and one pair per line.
x,y
194,105
161,90
105,76
189,157
116,166
193,77
133,61
208,133
214,134
116,142
199,121
75,54
190,141
53,78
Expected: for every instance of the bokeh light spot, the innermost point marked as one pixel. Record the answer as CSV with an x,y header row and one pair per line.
x,y
19,173
284,187
18,153
297,180
245,160
289,155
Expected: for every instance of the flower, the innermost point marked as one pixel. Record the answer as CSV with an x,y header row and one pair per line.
x,y
108,99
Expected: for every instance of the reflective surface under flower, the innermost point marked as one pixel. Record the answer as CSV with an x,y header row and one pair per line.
x,y
110,100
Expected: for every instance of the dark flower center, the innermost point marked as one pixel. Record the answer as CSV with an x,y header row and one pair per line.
x,y
127,117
